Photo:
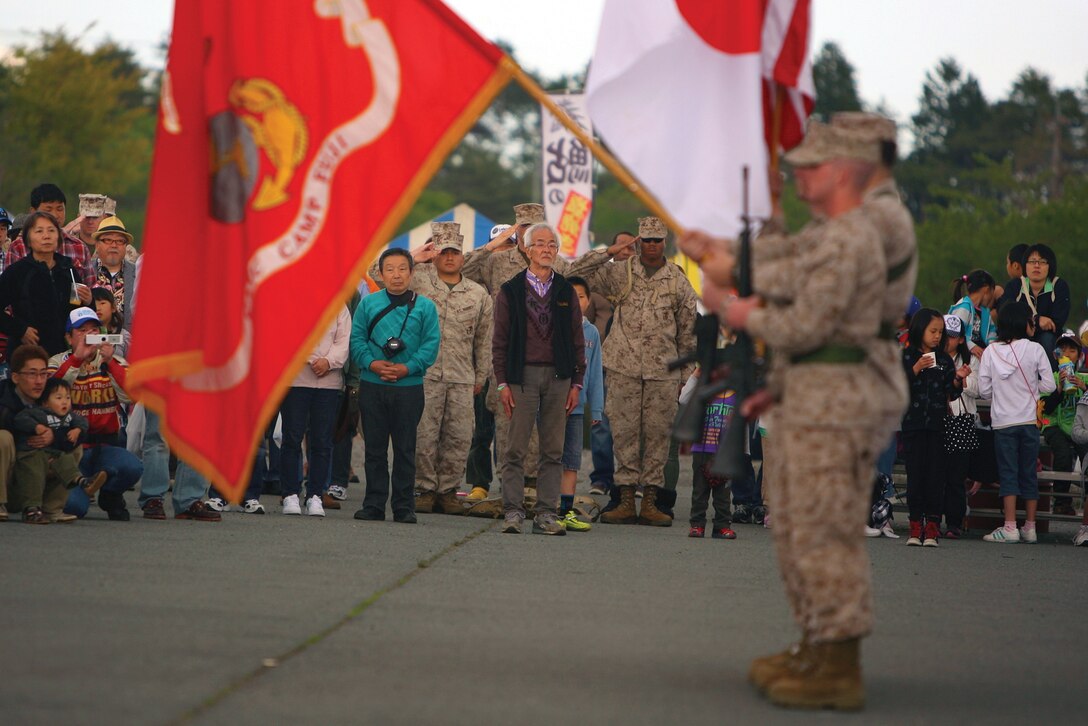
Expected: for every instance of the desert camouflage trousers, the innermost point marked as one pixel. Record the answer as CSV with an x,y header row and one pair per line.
x,y
641,413
443,436
817,482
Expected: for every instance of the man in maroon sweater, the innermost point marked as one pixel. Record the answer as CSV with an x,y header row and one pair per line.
x,y
538,351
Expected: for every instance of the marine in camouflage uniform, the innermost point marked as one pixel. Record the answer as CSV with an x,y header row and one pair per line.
x,y
820,333
653,323
884,209
465,320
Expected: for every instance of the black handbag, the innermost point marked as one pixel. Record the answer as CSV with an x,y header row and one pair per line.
x,y
960,433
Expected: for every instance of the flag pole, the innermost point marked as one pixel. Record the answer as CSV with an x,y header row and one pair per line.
x,y
601,154
776,134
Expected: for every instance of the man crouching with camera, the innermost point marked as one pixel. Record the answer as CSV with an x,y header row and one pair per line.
x,y
394,339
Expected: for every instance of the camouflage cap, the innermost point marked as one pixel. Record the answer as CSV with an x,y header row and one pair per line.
x,y
447,240
529,214
93,205
652,228
871,125
438,228
824,143
111,207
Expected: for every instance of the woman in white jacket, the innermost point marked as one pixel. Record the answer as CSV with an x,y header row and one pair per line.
x,y
309,410
1014,373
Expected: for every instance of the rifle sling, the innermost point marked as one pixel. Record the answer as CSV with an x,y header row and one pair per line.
x,y
896,271
888,331
832,353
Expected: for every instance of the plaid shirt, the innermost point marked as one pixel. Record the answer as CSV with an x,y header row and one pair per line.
x,y
71,247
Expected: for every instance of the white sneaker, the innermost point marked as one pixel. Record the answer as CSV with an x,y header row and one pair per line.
x,y
291,506
338,493
253,506
314,507
218,505
1080,539
1000,535
1028,536
870,532
888,532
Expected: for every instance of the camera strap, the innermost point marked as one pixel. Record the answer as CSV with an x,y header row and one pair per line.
x,y
388,309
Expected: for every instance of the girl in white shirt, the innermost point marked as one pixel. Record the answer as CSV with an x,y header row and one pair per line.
x,y
1014,373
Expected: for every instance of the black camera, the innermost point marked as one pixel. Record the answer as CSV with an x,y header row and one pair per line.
x,y
393,346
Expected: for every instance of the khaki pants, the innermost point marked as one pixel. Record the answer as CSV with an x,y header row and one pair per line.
x,y
540,399
22,494
502,432
7,459
444,436
641,413
820,482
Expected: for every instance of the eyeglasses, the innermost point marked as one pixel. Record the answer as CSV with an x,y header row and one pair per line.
x,y
548,246
33,374
1038,262
112,242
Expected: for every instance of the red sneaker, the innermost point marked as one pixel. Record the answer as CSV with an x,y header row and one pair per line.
x,y
697,532
915,538
723,533
932,534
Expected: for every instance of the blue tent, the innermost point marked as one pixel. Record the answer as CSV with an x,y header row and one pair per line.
x,y
475,227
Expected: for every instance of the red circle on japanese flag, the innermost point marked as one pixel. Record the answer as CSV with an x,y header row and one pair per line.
x,y
731,26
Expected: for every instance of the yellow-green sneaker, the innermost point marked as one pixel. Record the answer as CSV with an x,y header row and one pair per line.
x,y
571,523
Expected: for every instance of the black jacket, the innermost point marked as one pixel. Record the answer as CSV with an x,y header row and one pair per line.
x,y
39,298
930,391
562,327
1055,304
10,405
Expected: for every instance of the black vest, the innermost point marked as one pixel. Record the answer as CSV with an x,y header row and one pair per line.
x,y
562,302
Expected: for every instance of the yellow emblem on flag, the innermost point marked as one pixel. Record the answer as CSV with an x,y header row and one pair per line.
x,y
278,129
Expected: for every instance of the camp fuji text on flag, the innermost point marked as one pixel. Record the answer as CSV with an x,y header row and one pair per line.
x,y
682,92
293,138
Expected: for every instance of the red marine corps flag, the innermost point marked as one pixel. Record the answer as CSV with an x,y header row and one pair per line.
x,y
293,137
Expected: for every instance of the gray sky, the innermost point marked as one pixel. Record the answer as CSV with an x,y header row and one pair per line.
x,y
891,44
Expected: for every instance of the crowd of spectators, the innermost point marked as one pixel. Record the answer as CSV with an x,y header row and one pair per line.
x,y
511,355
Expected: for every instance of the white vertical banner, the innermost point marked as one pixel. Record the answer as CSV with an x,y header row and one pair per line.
x,y
568,175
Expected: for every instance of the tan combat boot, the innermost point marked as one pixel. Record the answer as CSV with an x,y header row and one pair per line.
x,y
767,670
425,502
828,677
625,513
449,503
650,514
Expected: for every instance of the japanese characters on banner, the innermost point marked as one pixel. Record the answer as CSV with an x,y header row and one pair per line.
x,y
568,175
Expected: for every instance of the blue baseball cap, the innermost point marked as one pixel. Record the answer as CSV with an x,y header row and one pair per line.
x,y
5,218
81,316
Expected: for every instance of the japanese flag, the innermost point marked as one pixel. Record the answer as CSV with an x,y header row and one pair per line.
x,y
680,90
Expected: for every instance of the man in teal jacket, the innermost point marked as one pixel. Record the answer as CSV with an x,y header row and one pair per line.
x,y
394,339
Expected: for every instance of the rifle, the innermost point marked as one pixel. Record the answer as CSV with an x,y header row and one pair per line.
x,y
736,361
741,359
688,425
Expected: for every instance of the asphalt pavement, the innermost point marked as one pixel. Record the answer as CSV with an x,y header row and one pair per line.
x,y
276,619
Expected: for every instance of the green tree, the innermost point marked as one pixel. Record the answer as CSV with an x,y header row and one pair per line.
x,y
82,120
836,87
952,109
